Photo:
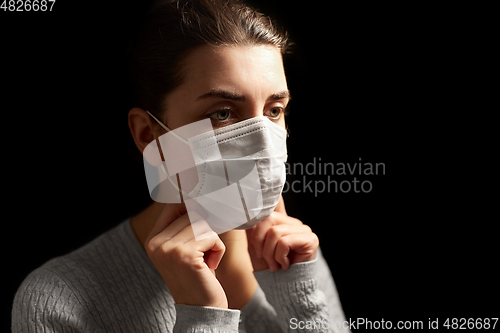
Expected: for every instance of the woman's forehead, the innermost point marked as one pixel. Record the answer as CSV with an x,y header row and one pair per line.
x,y
234,68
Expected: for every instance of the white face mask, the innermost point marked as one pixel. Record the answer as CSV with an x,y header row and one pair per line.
x,y
231,177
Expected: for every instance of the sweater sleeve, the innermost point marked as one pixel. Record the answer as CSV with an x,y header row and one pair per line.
x,y
45,303
304,297
205,319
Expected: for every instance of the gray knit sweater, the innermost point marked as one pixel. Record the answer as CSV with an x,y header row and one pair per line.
x,y
110,285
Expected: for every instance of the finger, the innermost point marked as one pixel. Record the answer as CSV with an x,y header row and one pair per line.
x,y
269,247
250,234
280,218
260,230
251,249
281,206
168,215
199,225
273,237
259,264
212,247
282,251
258,235
303,246
192,232
170,231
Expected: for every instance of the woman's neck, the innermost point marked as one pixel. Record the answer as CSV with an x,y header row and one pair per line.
x,y
143,223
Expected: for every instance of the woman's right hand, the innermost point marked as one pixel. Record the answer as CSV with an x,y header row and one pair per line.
x,y
187,265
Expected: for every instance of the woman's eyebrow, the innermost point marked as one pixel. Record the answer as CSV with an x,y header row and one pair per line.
x,y
280,95
225,94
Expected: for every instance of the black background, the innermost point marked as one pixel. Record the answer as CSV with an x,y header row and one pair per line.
x,y
380,83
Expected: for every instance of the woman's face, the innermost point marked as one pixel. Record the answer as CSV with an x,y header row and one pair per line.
x,y
228,84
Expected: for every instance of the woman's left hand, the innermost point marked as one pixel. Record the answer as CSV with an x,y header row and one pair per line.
x,y
280,241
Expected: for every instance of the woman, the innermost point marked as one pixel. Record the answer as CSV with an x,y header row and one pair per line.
x,y
194,60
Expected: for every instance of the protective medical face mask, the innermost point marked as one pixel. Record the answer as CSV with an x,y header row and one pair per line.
x,y
231,177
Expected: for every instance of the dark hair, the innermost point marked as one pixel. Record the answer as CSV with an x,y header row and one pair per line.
x,y
173,29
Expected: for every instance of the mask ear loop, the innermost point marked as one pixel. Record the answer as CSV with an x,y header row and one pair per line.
x,y
167,129
163,158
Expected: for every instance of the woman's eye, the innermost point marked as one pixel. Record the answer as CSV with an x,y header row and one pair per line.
x,y
222,114
275,112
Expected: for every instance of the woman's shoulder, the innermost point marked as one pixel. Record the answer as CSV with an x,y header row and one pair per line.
x,y
109,259
69,268
86,280
45,296
58,288
98,252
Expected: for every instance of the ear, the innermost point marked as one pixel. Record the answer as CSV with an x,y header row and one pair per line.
x,y
141,128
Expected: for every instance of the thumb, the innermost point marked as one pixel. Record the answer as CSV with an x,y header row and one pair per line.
x,y
170,213
280,208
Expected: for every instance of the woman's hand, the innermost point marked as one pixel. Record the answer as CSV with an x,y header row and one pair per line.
x,y
280,241
187,264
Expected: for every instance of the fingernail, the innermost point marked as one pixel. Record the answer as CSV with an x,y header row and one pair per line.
x,y
287,264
